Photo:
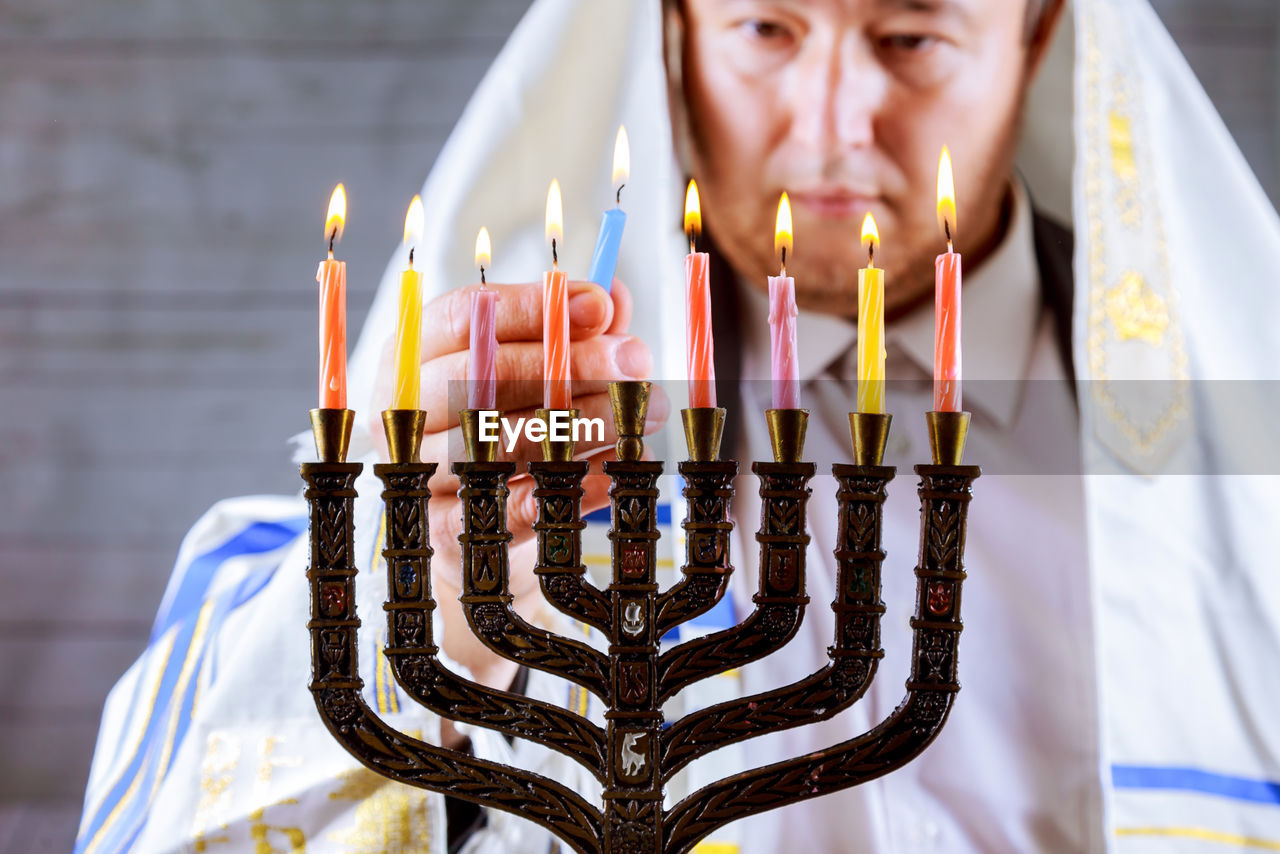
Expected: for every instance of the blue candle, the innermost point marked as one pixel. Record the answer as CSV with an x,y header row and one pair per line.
x,y
604,261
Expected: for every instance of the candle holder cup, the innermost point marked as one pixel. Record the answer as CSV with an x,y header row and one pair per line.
x,y
637,751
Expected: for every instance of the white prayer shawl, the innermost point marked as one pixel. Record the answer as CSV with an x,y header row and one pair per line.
x,y
212,742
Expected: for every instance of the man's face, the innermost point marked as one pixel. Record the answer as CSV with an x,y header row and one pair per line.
x,y
846,104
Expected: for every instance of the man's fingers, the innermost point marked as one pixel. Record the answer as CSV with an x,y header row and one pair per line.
x,y
446,320
622,305
595,362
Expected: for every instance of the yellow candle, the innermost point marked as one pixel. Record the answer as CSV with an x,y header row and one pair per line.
x,y
871,350
409,327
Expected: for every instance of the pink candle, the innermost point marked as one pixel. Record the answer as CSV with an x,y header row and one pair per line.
x,y
782,318
482,365
701,348
946,336
332,276
555,315
782,329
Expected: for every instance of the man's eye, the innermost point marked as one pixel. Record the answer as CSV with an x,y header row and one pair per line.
x,y
908,42
764,30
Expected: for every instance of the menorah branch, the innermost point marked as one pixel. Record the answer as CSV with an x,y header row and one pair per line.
x,y
931,687
336,686
486,596
853,655
708,492
560,572
414,656
780,599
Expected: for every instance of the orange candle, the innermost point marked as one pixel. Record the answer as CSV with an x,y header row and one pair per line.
x,y
332,277
555,313
947,276
701,348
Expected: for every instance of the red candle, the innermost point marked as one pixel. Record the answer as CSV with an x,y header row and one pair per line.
x,y
332,277
701,348
782,318
555,313
482,366
947,276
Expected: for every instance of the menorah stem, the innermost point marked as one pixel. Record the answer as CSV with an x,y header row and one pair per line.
x,y
336,686
486,596
412,651
708,493
780,600
633,795
945,492
853,655
560,572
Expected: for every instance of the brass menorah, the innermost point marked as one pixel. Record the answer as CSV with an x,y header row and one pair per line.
x,y
636,752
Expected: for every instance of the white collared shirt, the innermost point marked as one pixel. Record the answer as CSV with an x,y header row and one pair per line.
x,y
1016,768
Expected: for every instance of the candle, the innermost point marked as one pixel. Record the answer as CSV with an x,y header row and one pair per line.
x,y
946,290
604,261
332,277
702,369
782,317
555,313
409,324
870,325
482,367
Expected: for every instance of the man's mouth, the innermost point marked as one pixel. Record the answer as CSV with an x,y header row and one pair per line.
x,y
834,203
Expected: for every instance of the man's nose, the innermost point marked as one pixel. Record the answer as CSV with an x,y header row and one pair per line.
x,y
838,91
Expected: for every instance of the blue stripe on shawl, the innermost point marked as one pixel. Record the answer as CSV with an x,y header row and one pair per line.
x,y
1196,780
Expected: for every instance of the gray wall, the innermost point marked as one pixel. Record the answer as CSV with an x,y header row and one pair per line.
x,y
163,170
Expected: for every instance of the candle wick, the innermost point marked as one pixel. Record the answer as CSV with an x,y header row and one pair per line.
x,y
617,200
871,253
410,257
482,281
946,226
784,262
333,236
555,256
950,249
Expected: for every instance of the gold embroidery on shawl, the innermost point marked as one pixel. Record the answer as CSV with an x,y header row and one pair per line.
x,y
261,832
391,818
1129,166
217,772
1137,311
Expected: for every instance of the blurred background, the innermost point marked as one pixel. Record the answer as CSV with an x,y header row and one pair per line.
x,y
164,171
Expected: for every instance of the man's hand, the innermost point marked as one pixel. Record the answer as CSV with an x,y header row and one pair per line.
x,y
601,351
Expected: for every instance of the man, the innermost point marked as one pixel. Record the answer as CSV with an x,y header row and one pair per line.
x,y
1109,701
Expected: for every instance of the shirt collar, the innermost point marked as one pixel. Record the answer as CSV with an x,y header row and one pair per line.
x,y
1001,307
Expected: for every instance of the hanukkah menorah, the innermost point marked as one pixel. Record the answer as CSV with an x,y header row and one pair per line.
x,y
637,751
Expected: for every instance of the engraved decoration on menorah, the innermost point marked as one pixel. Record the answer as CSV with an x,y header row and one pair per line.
x,y
637,751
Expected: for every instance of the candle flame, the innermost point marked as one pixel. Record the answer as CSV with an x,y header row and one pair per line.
x,y
692,211
621,158
870,235
946,196
414,223
484,249
782,239
337,216
555,216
